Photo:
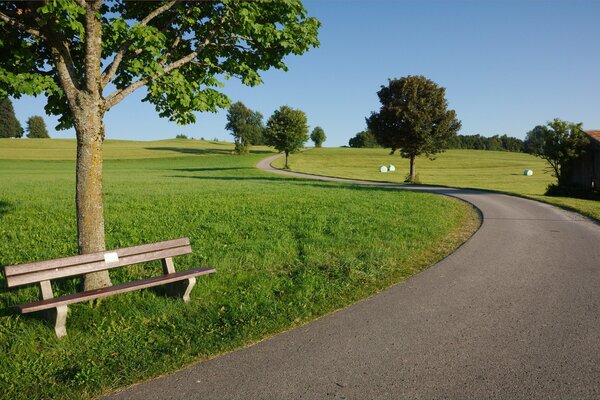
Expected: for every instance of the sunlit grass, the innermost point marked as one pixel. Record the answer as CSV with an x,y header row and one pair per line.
x,y
65,149
491,170
286,251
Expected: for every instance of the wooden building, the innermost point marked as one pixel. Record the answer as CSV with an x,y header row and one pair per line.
x,y
585,170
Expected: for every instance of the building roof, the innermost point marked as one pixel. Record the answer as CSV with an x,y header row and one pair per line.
x,y
595,135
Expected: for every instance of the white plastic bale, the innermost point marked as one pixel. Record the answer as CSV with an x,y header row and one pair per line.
x,y
528,172
391,168
383,168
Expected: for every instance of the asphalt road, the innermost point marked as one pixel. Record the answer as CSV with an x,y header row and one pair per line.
x,y
513,314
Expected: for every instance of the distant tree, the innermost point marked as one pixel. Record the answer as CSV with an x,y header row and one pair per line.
x,y
510,143
181,136
534,140
245,126
562,142
318,136
413,118
9,124
364,139
287,131
36,128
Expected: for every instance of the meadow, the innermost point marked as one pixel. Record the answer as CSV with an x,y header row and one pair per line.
x,y
286,251
480,169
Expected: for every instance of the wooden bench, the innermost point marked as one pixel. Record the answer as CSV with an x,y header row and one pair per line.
x,y
181,282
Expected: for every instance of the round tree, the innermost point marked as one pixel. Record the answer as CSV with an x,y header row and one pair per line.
x,y
36,128
245,125
318,136
9,124
287,131
413,118
363,139
87,56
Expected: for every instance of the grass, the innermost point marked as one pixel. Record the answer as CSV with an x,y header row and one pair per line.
x,y
286,251
480,169
65,149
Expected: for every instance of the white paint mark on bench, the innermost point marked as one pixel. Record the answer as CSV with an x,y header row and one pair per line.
x,y
110,258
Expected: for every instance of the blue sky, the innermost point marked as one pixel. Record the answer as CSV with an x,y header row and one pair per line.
x,y
507,66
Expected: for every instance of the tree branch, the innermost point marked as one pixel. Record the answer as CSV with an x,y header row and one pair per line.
x,y
111,69
16,24
119,95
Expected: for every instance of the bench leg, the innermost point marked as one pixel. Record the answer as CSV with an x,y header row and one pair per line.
x,y
181,289
189,285
58,316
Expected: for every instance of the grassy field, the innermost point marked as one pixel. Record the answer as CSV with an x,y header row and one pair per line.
x,y
491,170
286,250
65,149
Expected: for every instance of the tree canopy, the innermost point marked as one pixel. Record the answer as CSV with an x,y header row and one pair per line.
x,y
245,125
86,56
478,142
318,136
534,140
36,128
177,49
287,131
563,142
413,118
9,124
364,139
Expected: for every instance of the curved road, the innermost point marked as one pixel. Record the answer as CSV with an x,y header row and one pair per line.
x,y
513,314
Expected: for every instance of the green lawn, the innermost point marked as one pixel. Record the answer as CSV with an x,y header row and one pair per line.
x,y
64,149
492,170
286,250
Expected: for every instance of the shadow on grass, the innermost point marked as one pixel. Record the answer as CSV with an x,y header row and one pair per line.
x,y
187,150
209,169
200,152
371,186
4,207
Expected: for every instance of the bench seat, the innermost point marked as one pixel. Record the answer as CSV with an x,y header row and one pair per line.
x,y
112,290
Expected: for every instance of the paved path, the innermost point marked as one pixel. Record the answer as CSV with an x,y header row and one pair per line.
x,y
513,314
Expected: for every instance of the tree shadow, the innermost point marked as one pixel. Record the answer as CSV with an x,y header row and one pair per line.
x,y
209,169
370,187
5,207
187,150
262,152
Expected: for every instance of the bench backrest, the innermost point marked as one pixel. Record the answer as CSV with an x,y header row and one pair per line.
x,y
23,274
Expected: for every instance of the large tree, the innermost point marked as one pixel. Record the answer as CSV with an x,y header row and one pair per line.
x,y
413,118
562,142
287,131
10,127
36,128
86,56
245,125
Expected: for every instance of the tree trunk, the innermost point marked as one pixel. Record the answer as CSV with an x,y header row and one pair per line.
x,y
286,160
88,113
412,169
90,214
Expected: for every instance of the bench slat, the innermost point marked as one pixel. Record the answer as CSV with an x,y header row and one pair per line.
x,y
92,257
112,290
81,269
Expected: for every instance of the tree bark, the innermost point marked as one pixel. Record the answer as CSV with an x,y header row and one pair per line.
x,y
90,211
412,169
88,115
